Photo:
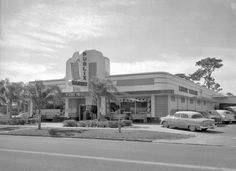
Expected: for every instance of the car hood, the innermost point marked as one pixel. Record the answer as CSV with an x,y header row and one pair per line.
x,y
214,116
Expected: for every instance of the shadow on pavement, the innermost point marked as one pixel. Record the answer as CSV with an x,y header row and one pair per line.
x,y
204,132
211,132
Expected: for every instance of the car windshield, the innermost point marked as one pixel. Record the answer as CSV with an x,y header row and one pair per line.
x,y
205,114
196,116
213,113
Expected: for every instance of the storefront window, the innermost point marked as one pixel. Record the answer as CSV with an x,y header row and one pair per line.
x,y
135,105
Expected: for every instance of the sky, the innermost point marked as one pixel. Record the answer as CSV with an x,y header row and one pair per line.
x,y
37,37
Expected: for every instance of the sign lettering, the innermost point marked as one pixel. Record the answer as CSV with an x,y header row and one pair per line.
x,y
72,94
79,70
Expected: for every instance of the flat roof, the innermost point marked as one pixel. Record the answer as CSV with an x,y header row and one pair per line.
x,y
143,73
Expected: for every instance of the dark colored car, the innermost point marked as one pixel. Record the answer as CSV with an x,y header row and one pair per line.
x,y
212,115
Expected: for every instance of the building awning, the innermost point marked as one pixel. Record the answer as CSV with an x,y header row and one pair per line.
x,y
75,94
135,99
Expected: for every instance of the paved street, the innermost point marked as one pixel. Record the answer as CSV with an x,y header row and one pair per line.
x,y
55,154
220,136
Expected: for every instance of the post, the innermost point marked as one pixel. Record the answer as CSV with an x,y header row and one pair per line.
x,y
119,124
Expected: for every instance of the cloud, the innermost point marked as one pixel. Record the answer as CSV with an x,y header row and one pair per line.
x,y
111,3
47,27
233,7
27,72
149,66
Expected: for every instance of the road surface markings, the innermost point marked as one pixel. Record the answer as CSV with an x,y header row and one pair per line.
x,y
119,160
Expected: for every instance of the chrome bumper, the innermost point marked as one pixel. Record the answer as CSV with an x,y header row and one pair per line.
x,y
208,127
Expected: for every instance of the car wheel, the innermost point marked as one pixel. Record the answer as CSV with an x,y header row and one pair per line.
x,y
165,124
205,129
192,128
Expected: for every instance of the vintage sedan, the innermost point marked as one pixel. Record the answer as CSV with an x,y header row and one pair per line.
x,y
212,115
188,119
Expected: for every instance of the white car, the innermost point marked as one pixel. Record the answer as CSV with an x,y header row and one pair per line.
x,y
233,110
21,116
189,120
227,116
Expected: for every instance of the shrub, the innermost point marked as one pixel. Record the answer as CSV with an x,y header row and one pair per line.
x,y
16,122
32,120
70,123
5,122
83,124
126,122
52,132
113,124
103,124
93,123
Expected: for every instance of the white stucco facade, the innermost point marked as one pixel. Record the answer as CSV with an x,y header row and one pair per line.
x,y
161,92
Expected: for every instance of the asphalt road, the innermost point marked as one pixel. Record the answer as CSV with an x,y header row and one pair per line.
x,y
22,153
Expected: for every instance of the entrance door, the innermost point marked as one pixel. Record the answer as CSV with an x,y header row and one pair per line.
x,y
82,111
79,103
88,112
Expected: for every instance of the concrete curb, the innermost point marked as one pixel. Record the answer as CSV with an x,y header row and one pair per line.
x,y
110,139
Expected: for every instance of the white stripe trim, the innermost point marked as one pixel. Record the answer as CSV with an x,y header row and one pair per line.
x,y
120,160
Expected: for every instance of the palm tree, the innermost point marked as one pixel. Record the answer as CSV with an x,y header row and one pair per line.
x,y
3,93
102,88
40,95
10,92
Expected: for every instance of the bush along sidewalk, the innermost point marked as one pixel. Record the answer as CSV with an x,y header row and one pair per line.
x,y
19,121
96,123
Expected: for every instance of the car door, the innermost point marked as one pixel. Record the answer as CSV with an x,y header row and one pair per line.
x,y
176,120
183,122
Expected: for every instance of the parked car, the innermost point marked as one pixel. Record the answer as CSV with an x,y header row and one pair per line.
x,y
232,109
189,120
212,115
227,116
21,116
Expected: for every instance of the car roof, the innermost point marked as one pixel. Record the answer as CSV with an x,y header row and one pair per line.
x,y
187,112
222,110
232,108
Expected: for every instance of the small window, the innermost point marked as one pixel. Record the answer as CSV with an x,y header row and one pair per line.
x,y
198,102
183,89
184,116
177,115
182,100
172,98
196,116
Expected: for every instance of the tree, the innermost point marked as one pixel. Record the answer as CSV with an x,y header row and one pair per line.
x,y
3,93
40,94
102,87
10,93
15,92
203,75
207,67
229,94
184,76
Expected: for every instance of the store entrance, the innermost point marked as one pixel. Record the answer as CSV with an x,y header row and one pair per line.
x,y
88,112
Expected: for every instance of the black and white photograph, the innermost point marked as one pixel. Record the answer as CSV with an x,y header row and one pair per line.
x,y
121,85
